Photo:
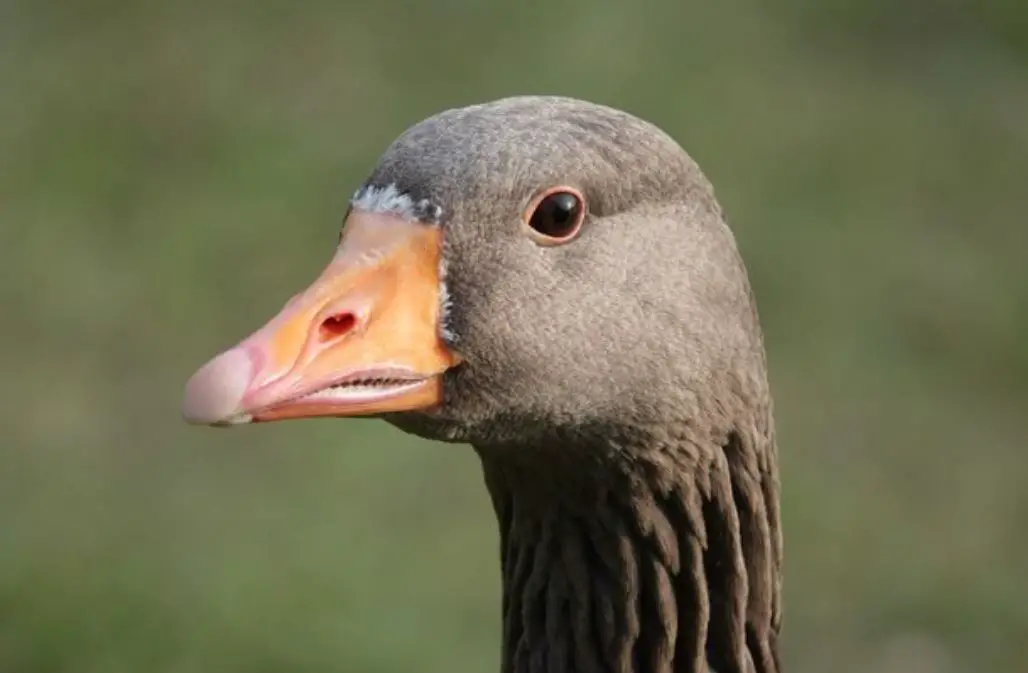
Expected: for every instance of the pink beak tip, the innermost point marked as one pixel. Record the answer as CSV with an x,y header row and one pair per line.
x,y
215,392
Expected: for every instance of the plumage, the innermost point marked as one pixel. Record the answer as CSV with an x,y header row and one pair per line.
x,y
613,385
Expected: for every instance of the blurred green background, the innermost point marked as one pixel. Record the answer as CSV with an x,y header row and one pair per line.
x,y
171,173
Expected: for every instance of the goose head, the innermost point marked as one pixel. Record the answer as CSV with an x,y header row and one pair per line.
x,y
528,265
553,282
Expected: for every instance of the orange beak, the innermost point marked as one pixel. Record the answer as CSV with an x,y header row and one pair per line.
x,y
362,340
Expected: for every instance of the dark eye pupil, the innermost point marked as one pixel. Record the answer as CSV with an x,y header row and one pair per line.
x,y
557,215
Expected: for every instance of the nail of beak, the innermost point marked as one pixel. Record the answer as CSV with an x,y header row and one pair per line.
x,y
215,392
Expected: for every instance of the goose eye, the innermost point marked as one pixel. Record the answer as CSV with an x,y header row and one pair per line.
x,y
556,215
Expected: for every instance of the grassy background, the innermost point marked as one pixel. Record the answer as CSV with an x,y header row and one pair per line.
x,y
171,172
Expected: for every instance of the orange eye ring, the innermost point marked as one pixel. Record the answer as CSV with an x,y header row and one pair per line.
x,y
555,216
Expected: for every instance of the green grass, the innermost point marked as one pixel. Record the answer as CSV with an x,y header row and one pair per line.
x,y
172,173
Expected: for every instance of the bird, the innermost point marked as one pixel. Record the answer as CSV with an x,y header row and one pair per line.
x,y
553,282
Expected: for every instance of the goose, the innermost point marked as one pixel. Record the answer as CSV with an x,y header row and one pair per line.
x,y
553,282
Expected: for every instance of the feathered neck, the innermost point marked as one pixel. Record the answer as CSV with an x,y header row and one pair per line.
x,y
638,552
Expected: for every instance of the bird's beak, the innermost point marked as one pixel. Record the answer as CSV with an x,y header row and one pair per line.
x,y
363,339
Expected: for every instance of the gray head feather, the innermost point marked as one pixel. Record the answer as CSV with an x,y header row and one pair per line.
x,y
646,315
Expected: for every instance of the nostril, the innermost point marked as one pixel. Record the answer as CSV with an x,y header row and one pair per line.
x,y
337,325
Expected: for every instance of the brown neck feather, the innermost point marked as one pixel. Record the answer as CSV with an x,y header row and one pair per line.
x,y
631,556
